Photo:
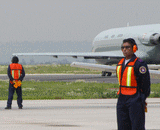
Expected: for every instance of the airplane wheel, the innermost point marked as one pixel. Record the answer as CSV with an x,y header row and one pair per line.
x,y
109,74
103,73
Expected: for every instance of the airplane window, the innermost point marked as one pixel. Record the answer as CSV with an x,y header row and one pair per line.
x,y
106,36
112,36
120,35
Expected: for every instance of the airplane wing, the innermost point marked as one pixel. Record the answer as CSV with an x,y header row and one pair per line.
x,y
154,74
94,66
154,67
94,55
86,55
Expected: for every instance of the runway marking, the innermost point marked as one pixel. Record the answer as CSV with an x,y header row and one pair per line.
x,y
51,124
62,74
154,102
42,124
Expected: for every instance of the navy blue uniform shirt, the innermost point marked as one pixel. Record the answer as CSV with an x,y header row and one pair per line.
x,y
142,75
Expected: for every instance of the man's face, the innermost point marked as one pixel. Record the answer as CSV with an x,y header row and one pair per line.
x,y
127,50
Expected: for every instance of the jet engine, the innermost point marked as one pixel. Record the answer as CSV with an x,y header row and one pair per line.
x,y
149,39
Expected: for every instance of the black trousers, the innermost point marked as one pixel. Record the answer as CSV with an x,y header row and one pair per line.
x,y
130,113
10,95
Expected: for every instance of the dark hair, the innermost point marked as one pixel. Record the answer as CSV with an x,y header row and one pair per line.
x,y
131,41
15,59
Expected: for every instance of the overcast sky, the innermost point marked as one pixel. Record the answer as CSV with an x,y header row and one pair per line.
x,y
71,20
74,21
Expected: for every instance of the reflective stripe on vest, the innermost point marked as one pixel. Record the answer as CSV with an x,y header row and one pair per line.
x,y
129,76
119,69
127,80
18,74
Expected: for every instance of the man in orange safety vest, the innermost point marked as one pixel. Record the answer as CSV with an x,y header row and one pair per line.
x,y
134,88
16,74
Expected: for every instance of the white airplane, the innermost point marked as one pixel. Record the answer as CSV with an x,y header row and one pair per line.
x,y
106,48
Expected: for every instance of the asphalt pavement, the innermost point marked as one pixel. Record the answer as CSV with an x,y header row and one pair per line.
x,y
72,77
88,114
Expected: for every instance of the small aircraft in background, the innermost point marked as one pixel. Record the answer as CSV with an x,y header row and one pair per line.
x,y
106,49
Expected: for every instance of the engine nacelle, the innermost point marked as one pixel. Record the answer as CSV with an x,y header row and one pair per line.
x,y
150,39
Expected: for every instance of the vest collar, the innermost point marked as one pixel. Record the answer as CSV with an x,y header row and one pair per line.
x,y
133,58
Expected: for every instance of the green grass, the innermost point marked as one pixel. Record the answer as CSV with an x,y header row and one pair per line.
x,y
42,69
3,69
155,90
32,90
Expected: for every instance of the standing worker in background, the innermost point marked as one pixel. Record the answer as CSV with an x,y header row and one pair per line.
x,y
134,81
16,74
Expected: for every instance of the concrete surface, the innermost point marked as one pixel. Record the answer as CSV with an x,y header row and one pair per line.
x,y
90,114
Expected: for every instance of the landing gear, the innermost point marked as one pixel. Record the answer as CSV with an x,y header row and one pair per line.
x,y
103,73
108,73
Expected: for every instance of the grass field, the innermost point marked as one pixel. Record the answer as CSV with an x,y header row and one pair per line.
x,y
68,90
42,69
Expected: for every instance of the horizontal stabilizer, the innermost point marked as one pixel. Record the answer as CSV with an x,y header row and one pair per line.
x,y
94,66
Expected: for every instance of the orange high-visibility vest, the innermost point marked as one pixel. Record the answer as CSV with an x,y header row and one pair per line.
x,y
127,79
16,71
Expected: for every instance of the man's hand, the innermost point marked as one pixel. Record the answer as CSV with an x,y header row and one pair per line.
x,y
145,107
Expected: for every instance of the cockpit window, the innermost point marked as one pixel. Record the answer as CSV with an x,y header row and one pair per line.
x,y
112,36
106,36
120,35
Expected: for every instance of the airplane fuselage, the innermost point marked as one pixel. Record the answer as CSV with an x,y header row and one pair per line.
x,y
147,38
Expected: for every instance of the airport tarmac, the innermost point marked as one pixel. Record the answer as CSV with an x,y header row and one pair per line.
x,y
89,114
72,77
